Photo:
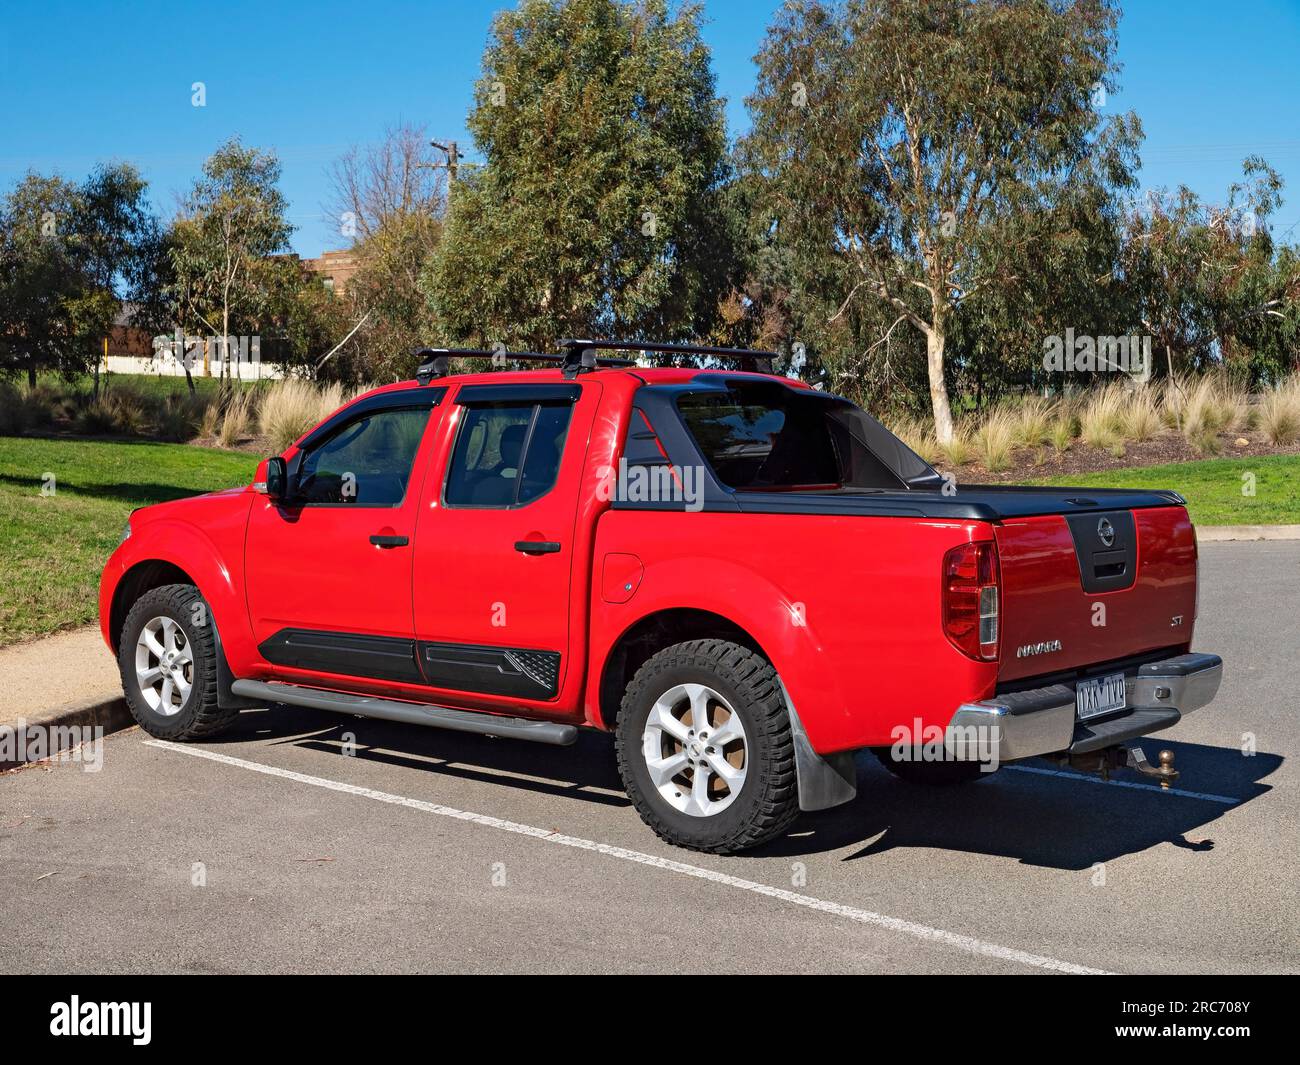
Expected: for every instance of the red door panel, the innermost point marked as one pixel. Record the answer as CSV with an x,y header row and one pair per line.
x,y
325,600
491,579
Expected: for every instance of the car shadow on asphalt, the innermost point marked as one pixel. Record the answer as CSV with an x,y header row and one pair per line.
x,y
584,771
1047,819
1044,819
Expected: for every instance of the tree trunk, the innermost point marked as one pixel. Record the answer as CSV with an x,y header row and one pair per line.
x,y
934,342
225,343
31,373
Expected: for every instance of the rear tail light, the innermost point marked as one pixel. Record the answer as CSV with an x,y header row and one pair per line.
x,y
1196,555
970,599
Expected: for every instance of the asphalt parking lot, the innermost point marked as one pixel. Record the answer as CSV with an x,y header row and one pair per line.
x,y
277,850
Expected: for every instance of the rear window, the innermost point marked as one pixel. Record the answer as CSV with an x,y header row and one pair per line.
x,y
760,436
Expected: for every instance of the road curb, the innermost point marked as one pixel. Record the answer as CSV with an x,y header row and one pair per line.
x,y
47,734
1207,534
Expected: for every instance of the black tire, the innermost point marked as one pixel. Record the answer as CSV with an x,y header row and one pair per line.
x,y
932,774
199,716
767,801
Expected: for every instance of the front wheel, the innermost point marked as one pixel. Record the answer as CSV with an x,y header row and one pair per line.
x,y
168,660
705,748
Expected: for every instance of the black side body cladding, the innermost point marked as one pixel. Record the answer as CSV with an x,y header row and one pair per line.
x,y
491,670
345,653
515,671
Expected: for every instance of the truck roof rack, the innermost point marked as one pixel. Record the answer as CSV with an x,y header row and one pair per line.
x,y
752,361
436,362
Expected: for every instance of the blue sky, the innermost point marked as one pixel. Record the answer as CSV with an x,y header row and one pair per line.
x,y
101,80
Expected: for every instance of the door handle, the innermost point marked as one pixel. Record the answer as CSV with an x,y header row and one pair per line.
x,y
389,541
537,547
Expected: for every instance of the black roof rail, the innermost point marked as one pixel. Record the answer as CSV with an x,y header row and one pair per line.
x,y
436,362
752,361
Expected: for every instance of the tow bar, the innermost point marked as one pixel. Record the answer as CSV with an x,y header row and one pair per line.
x,y
1134,757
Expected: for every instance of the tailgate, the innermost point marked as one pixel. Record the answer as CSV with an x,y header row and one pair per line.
x,y
1087,588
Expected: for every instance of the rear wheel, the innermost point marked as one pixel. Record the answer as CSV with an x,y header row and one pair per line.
x,y
944,774
168,660
705,748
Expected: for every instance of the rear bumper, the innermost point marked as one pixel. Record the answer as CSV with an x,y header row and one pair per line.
x,y
1038,721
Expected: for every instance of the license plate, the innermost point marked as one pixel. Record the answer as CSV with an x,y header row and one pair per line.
x,y
1101,695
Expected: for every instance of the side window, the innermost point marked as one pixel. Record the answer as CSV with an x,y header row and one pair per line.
x,y
366,462
507,454
545,449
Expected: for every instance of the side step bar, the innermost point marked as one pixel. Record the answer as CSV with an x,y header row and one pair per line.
x,y
515,728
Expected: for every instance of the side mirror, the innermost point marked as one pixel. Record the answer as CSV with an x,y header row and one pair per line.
x,y
277,479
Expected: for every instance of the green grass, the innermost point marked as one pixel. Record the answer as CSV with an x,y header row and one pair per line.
x,y
52,547
1214,488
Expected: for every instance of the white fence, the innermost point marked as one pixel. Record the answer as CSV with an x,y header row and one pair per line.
x,y
172,353
164,365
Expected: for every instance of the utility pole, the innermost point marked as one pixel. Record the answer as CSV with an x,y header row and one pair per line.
x,y
453,158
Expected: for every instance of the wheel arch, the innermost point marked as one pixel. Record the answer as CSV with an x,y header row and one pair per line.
x,y
651,634
148,574
142,577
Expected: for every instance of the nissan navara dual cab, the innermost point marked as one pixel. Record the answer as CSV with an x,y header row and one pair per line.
x,y
744,579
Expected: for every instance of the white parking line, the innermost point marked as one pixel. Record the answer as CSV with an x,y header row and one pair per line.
x,y
893,924
1227,800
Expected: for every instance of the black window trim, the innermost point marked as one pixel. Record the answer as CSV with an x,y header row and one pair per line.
x,y
537,396
425,399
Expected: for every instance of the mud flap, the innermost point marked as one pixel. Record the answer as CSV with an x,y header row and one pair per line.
x,y
824,780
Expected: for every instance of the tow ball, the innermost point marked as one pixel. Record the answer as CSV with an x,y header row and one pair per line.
x,y
1112,758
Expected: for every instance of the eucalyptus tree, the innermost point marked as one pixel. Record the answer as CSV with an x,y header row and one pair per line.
x,y
597,208
230,226
913,150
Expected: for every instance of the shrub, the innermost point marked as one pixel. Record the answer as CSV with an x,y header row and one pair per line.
x,y
96,418
994,439
178,416
130,409
49,400
121,411
1204,414
1279,413
1173,399
290,408
1033,421
1063,430
15,417
958,450
237,419
1139,418
1203,441
1100,420
210,421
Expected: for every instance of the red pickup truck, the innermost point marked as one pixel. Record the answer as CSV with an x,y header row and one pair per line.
x,y
743,578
